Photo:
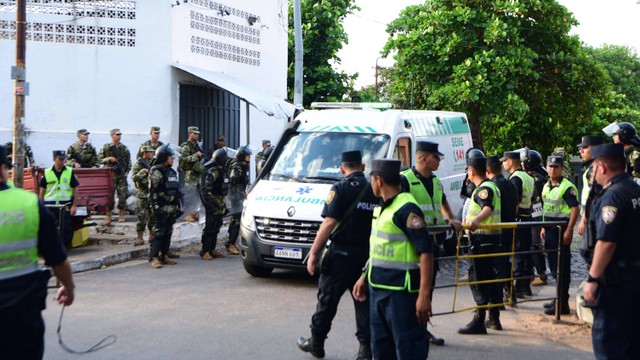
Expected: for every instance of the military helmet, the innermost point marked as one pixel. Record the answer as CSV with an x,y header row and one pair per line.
x,y
220,156
163,153
626,132
474,153
242,152
534,160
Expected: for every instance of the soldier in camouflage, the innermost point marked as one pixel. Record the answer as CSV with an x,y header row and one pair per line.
x,y
567,171
216,186
154,143
28,156
260,155
627,135
164,194
140,176
116,156
82,154
190,155
238,181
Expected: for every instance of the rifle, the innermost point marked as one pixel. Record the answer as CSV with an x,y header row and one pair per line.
x,y
74,155
144,163
203,159
117,168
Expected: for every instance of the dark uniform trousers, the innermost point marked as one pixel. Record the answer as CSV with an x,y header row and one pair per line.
x,y
67,228
523,265
395,328
615,332
340,268
163,229
212,225
484,269
553,237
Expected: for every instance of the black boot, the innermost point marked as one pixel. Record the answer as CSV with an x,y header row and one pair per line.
x,y
494,319
564,309
313,345
434,339
525,287
364,353
476,326
549,304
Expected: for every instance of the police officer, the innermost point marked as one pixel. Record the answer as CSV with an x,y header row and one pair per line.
x,y
216,187
399,270
524,183
533,166
588,187
140,177
116,156
347,222
28,230
238,180
508,206
613,283
427,190
59,186
485,209
154,143
164,195
82,154
627,135
560,200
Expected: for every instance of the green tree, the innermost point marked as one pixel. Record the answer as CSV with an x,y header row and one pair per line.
x,y
323,36
511,65
622,65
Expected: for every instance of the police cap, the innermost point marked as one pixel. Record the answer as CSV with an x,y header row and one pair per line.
x,y
608,150
82,132
385,167
590,141
59,154
428,146
493,159
555,160
4,159
513,155
352,156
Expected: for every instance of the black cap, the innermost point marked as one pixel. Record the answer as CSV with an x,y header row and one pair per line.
x,y
556,160
4,159
352,156
590,140
385,167
428,146
493,159
609,150
59,153
515,155
477,161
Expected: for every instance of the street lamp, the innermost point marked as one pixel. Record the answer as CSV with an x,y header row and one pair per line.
x,y
376,83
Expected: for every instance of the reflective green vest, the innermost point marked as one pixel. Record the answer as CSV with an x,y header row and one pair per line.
x,y
554,205
431,207
10,183
392,256
58,191
475,209
527,192
19,223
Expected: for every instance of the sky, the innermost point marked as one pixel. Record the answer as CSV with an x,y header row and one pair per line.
x,y
601,22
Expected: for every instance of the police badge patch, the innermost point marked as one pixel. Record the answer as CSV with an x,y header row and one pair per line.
x,y
330,197
572,191
609,214
483,194
414,221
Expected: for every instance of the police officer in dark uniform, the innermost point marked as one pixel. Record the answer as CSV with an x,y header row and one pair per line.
x,y
347,222
164,196
216,186
508,205
590,189
613,283
238,181
28,231
533,166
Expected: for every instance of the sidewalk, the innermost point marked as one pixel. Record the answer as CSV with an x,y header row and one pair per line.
x,y
111,245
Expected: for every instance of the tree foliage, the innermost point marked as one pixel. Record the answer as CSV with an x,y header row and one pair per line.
x,y
511,65
323,36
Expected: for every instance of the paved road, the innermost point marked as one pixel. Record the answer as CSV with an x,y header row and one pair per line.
x,y
214,310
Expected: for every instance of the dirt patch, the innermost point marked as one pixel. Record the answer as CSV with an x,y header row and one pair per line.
x,y
570,330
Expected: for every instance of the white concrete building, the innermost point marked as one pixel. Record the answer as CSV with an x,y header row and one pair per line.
x,y
102,64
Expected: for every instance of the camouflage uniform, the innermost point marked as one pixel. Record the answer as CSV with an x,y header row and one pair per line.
x,y
121,168
143,209
238,180
632,155
163,196
85,155
190,163
567,171
215,189
149,144
28,154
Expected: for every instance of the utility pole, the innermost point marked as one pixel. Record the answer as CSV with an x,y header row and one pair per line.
x,y
20,91
299,53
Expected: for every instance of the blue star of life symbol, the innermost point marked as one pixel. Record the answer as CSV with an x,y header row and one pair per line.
x,y
304,190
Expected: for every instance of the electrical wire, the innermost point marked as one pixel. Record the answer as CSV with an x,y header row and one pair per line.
x,y
99,346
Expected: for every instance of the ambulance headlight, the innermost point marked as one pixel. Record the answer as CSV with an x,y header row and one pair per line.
x,y
247,219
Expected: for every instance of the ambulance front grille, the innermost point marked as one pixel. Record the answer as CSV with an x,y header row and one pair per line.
x,y
287,230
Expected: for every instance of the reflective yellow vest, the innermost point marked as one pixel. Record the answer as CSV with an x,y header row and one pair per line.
x,y
431,207
58,191
19,223
475,209
554,205
392,257
586,187
528,183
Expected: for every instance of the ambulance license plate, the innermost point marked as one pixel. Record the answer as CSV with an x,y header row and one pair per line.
x,y
288,253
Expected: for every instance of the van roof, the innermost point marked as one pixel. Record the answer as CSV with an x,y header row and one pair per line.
x,y
423,122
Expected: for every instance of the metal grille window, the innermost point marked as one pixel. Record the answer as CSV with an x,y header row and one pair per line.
x,y
295,231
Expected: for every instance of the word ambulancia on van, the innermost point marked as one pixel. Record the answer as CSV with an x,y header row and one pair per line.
x,y
282,211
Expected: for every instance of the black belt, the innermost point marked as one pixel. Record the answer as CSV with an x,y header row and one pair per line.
x,y
622,263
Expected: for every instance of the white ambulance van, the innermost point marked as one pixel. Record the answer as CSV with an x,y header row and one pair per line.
x,y
282,211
